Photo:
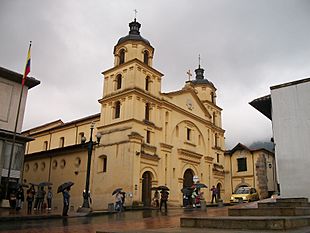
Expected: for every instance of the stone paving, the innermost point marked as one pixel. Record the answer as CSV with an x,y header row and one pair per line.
x,y
104,222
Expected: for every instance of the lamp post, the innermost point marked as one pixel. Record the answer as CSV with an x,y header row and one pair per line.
x,y
86,194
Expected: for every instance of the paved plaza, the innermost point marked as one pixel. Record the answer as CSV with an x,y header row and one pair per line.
x,y
104,222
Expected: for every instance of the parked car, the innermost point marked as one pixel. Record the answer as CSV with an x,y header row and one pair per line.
x,y
244,194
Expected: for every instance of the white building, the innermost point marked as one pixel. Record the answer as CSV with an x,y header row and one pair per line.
x,y
288,107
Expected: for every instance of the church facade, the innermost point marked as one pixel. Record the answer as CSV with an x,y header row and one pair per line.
x,y
148,138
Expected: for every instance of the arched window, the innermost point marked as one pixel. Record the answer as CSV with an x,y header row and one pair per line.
x,y
147,111
122,56
118,81
146,57
214,118
117,112
212,97
147,83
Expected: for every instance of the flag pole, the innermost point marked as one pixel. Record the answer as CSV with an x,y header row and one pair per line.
x,y
27,70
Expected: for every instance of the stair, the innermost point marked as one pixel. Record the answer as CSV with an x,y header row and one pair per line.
x,y
278,214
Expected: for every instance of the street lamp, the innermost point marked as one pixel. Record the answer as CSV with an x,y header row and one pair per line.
x,y
86,194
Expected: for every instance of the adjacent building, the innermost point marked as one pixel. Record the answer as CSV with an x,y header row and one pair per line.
x,y
10,91
288,106
254,168
149,138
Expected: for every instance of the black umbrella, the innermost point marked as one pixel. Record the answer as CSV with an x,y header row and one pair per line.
x,y
163,187
199,185
117,191
187,190
154,188
34,184
64,186
45,183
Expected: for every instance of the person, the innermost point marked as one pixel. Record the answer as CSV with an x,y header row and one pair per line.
x,y
164,199
49,197
118,202
12,199
20,198
197,198
66,199
30,197
214,194
40,195
156,198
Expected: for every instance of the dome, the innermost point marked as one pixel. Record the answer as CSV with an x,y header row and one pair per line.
x,y
134,34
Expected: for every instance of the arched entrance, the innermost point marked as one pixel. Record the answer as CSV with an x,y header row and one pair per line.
x,y
146,188
187,182
219,187
188,178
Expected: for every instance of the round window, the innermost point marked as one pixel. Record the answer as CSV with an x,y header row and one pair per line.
x,y
35,166
42,166
62,163
54,164
77,162
26,167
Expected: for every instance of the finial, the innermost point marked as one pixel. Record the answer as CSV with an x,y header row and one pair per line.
x,y
135,10
189,75
199,60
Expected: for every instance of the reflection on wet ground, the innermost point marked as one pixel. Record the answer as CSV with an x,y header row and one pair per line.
x,y
124,221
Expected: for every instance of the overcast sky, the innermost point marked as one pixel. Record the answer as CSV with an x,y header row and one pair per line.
x,y
245,47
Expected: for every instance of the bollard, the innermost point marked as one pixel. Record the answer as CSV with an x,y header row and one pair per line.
x,y
203,205
220,203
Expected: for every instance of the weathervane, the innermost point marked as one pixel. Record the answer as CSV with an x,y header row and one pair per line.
x,y
189,75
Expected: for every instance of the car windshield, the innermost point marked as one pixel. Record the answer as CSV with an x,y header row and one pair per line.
x,y
243,191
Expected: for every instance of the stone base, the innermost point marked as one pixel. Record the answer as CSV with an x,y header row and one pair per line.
x,y
84,210
4,203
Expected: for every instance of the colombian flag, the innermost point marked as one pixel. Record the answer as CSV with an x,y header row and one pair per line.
x,y
27,67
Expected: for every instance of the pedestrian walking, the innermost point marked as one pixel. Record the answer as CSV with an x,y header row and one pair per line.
x,y
119,202
156,198
30,197
214,194
164,199
20,198
49,197
40,195
66,199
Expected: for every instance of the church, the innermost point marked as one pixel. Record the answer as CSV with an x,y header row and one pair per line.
x,y
146,138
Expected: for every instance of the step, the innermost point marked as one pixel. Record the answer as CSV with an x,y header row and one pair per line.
x,y
282,204
247,223
292,199
269,211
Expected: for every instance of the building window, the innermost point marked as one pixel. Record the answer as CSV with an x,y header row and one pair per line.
x,y
117,111
61,142
241,164
102,164
188,134
122,56
77,161
45,145
42,166
177,131
218,158
118,82
146,57
214,118
54,164
62,163
35,166
81,135
147,83
148,136
26,167
147,111
216,140
212,97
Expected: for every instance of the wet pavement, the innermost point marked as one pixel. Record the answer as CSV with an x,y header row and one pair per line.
x,y
104,222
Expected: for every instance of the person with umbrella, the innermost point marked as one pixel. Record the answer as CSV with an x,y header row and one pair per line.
x,y
65,188
66,199
30,197
118,199
164,199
